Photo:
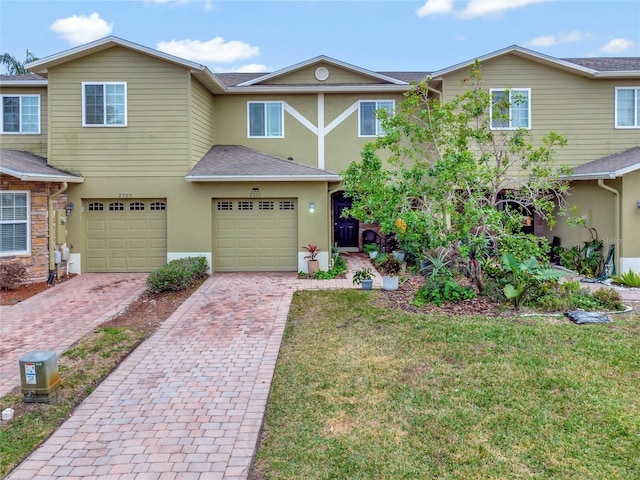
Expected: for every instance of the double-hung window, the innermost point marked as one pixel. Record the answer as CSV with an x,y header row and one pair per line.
x,y
628,107
510,108
14,223
369,123
265,119
21,114
104,104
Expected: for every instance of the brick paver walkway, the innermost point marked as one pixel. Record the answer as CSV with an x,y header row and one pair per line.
x,y
189,402
55,319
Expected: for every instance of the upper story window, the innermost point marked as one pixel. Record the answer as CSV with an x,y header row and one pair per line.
x,y
14,223
369,123
265,119
510,108
21,114
628,107
104,104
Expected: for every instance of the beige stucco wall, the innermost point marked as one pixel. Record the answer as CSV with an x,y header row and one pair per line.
x,y
189,214
580,109
34,143
630,212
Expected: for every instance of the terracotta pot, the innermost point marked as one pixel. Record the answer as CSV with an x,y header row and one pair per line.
x,y
313,266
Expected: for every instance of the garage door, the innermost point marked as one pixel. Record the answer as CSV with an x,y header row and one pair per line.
x,y
125,235
255,235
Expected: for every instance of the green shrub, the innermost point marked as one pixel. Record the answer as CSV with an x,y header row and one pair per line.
x,y
12,275
177,274
570,296
338,270
524,245
442,288
630,279
609,298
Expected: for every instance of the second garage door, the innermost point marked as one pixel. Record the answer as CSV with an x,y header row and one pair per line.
x,y
125,235
255,235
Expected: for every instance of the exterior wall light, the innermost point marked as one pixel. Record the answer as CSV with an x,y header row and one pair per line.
x,y
68,208
312,207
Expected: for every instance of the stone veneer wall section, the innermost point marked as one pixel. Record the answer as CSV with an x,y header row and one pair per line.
x,y
37,262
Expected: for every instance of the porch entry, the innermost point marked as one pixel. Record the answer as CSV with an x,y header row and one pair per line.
x,y
345,230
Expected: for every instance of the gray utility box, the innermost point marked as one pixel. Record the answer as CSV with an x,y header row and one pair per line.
x,y
39,376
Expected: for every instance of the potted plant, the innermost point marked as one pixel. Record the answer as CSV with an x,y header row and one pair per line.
x,y
363,277
371,249
312,262
389,268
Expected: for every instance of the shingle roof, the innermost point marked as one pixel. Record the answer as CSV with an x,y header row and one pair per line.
x,y
32,168
235,162
611,166
22,77
608,64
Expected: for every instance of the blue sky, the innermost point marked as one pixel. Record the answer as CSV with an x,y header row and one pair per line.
x,y
256,36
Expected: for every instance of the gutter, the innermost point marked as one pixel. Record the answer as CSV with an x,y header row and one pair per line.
x,y
52,260
617,217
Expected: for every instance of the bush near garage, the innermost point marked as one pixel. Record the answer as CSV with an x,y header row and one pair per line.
x,y
177,274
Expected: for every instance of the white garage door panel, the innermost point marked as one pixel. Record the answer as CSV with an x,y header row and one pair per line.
x,y
255,235
126,235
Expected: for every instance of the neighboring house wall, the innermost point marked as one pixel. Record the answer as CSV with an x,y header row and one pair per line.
x,y
578,108
36,261
34,143
155,140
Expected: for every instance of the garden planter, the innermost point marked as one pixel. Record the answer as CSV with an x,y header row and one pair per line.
x,y
313,266
373,255
390,283
366,284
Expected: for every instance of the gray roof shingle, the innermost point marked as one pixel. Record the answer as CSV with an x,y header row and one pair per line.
x,y
235,162
30,167
611,166
608,64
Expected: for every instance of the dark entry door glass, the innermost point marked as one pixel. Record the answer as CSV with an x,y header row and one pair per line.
x,y
345,230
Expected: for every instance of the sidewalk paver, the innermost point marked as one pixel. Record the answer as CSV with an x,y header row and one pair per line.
x,y
60,316
189,402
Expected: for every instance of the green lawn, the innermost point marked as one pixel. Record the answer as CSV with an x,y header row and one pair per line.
x,y
363,392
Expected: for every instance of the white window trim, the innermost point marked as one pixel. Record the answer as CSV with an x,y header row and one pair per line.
x,y
28,222
635,109
509,89
105,124
20,95
282,109
377,101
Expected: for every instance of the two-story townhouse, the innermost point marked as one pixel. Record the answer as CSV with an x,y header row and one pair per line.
x,y
244,168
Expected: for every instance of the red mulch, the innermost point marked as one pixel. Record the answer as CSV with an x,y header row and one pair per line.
x,y
11,297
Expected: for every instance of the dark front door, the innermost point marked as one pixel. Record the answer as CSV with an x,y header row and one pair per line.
x,y
345,230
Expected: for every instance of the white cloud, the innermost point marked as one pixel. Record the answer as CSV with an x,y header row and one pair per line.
x,y
214,50
549,40
79,29
250,68
433,7
617,45
483,8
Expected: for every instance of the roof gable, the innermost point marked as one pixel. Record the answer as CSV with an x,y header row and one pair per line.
x,y
201,72
582,67
322,70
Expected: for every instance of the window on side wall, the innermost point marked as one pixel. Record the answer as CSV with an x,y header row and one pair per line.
x,y
265,119
628,107
104,104
510,108
21,114
14,223
369,124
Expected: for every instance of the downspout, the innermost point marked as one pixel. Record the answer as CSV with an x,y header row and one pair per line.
x,y
52,260
617,218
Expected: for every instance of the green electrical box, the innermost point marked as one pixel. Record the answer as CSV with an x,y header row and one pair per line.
x,y
40,380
